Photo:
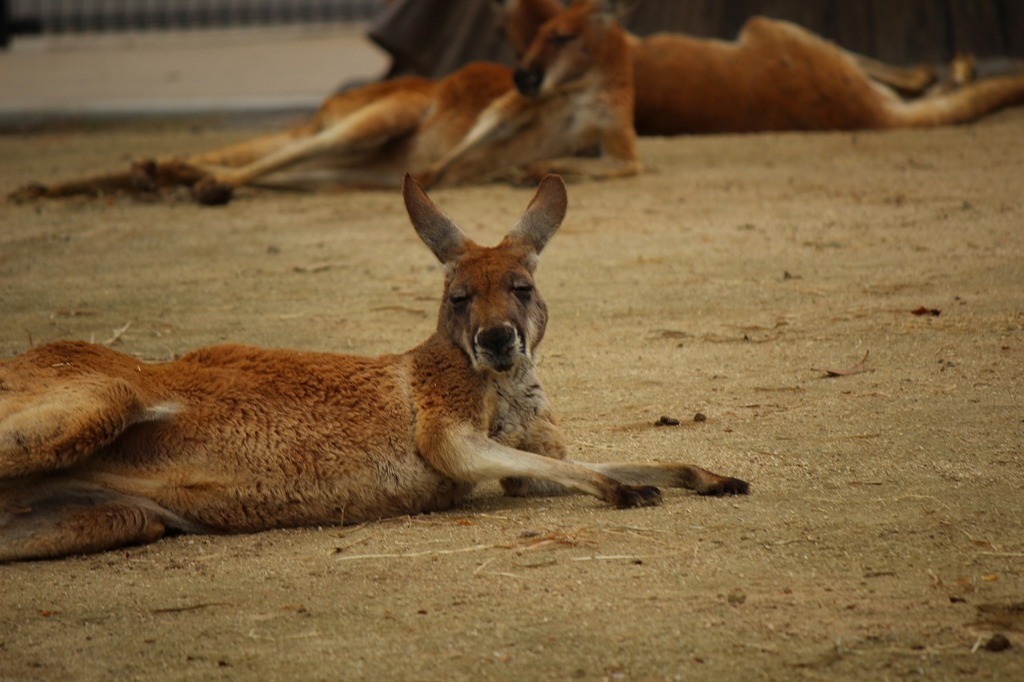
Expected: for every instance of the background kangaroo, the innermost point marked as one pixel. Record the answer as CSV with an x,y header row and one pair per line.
x,y
370,136
774,76
99,450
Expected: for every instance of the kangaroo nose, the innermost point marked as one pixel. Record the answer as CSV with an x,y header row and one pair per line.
x,y
496,340
528,81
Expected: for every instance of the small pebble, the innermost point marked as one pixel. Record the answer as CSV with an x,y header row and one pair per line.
x,y
666,421
700,417
997,642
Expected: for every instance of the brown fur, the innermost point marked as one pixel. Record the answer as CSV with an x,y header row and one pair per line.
x,y
370,136
99,450
775,76
581,87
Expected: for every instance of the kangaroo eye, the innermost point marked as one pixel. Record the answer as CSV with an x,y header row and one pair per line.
x,y
560,40
523,291
458,298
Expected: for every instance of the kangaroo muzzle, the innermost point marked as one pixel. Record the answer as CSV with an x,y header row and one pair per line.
x,y
528,81
498,347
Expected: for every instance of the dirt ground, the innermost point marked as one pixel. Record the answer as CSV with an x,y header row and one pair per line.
x,y
884,538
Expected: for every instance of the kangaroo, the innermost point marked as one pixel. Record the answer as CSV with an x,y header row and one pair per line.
x,y
370,136
99,450
776,76
575,79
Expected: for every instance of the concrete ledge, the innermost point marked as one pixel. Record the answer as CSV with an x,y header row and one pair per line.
x,y
201,72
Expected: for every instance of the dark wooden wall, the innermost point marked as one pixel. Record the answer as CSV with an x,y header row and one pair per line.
x,y
897,31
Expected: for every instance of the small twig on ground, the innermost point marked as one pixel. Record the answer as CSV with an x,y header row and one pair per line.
x,y
856,369
117,334
618,557
190,607
480,570
413,555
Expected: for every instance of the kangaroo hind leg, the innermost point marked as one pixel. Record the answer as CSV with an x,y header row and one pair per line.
x,y
687,476
49,425
61,517
912,81
128,181
365,131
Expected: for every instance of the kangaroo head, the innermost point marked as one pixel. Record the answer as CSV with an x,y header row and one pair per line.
x,y
585,39
491,308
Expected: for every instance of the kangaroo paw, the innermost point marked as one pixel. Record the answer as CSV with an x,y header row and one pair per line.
x,y
726,486
29,192
637,496
210,192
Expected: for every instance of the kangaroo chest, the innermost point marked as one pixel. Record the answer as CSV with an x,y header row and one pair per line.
x,y
512,403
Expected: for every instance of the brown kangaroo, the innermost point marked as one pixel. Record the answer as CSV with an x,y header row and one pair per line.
x,y
370,136
100,450
774,76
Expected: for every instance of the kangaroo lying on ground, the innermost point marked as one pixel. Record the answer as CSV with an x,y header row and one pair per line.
x,y
99,450
774,76
370,136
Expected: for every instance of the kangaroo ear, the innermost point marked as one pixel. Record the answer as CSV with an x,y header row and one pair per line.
x,y
543,215
437,230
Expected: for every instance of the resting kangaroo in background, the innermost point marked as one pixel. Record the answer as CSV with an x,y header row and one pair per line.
x,y
370,136
774,76
99,450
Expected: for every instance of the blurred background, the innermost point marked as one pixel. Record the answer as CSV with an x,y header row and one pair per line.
x,y
108,58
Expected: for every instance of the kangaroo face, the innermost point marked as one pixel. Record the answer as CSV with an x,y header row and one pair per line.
x,y
562,51
491,308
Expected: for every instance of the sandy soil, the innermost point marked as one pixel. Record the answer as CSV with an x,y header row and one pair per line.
x,y
885,535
